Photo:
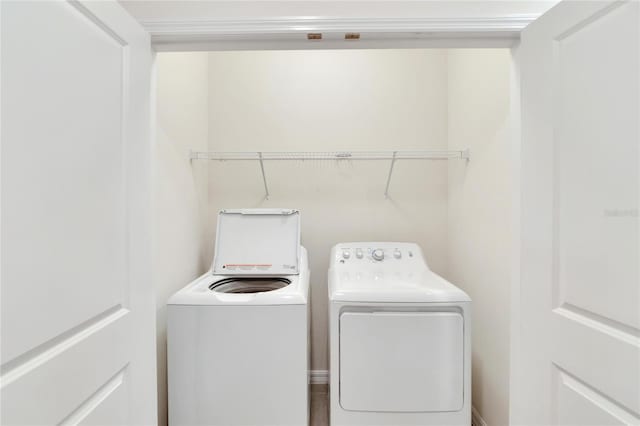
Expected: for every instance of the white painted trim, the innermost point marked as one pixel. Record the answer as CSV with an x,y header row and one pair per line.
x,y
516,248
303,25
318,377
290,32
476,418
467,41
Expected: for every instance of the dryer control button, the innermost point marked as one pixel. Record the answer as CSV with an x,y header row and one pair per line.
x,y
346,254
397,254
377,254
359,253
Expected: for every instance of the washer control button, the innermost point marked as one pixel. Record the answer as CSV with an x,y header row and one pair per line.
x,y
359,253
397,254
377,254
346,254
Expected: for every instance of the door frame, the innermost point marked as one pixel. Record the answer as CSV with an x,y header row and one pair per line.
x,y
289,33
285,33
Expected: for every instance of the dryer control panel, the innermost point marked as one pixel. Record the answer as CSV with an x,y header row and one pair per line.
x,y
378,253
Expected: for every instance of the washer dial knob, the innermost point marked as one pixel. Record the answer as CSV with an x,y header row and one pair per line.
x,y
377,254
346,254
397,254
359,253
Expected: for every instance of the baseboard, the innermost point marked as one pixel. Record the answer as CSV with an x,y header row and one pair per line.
x,y
476,418
318,377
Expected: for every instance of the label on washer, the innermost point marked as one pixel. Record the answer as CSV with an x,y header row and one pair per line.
x,y
247,266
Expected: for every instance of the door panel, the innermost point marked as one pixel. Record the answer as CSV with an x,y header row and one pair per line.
x,y
63,377
600,355
107,406
596,166
75,192
64,206
581,405
580,285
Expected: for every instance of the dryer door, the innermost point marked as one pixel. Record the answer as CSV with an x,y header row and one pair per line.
x,y
401,361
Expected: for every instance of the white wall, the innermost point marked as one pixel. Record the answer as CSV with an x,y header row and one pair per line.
x,y
334,100
180,190
479,231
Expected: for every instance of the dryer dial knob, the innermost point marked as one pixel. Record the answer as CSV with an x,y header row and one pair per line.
x,y
377,254
397,254
346,254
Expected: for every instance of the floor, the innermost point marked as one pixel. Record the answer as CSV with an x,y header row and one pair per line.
x,y
319,405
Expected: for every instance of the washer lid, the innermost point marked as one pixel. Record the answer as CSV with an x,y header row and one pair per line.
x,y
257,242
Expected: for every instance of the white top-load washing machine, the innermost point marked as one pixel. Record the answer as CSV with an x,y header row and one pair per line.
x,y
400,339
237,336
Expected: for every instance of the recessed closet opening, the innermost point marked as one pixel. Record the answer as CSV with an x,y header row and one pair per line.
x,y
325,109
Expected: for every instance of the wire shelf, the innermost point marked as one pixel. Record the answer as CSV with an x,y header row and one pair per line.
x,y
330,155
392,156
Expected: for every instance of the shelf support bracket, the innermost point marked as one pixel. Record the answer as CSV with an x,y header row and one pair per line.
x,y
264,177
393,161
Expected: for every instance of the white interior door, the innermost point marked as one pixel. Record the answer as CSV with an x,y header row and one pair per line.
x,y
579,355
77,304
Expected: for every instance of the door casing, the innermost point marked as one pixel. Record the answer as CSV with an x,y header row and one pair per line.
x,y
285,34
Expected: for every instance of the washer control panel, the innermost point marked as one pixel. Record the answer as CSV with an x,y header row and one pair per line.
x,y
377,253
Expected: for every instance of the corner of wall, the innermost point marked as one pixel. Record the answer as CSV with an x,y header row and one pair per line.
x,y
180,187
514,342
479,203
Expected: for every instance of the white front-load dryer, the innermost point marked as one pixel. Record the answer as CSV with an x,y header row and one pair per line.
x,y
400,339
238,336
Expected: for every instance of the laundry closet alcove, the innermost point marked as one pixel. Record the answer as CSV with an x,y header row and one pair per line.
x,y
370,145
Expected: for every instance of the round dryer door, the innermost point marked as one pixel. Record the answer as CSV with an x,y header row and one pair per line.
x,y
249,285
